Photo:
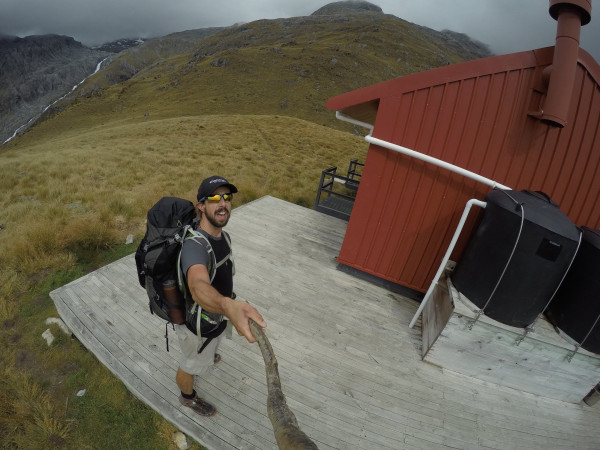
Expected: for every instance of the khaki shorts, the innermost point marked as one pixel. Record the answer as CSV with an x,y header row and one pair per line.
x,y
191,362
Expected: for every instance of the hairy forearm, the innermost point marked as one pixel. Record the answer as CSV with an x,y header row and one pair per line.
x,y
209,298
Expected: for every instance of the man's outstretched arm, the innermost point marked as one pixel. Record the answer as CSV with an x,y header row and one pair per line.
x,y
211,300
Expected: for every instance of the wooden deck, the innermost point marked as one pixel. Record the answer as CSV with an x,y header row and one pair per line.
x,y
541,361
350,366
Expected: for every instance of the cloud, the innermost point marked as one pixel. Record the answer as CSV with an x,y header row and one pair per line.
x,y
506,26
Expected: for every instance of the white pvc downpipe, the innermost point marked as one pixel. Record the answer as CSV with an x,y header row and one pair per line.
x,y
440,271
438,162
451,167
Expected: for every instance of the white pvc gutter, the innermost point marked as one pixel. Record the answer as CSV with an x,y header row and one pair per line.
x,y
438,162
345,118
415,154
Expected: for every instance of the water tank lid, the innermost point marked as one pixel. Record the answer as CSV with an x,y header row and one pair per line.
x,y
592,236
539,209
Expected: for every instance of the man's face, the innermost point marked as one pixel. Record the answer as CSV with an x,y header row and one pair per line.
x,y
217,212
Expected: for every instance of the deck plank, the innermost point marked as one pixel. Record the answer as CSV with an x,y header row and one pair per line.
x,y
350,367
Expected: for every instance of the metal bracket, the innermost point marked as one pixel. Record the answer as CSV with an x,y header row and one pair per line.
x,y
528,329
474,321
573,353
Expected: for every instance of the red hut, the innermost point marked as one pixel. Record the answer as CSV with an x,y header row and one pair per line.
x,y
529,120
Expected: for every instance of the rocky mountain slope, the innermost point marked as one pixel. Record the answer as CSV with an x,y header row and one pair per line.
x,y
37,70
283,66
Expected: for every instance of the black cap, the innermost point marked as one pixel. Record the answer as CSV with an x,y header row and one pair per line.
x,y
211,184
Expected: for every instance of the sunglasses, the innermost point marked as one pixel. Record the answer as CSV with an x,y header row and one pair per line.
x,y
217,198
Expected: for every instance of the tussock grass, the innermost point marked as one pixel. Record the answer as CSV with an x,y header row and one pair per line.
x,y
67,203
28,417
155,123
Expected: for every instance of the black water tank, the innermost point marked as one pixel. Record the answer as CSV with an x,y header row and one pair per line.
x,y
544,243
575,309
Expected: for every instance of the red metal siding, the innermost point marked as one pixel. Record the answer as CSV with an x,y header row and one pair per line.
x,y
473,115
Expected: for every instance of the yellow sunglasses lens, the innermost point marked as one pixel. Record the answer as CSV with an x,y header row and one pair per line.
x,y
217,197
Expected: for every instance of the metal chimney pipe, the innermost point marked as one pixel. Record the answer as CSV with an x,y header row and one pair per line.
x,y
570,15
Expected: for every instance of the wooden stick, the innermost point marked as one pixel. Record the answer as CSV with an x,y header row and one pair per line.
x,y
287,432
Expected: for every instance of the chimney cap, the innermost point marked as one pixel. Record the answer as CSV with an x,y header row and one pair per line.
x,y
584,6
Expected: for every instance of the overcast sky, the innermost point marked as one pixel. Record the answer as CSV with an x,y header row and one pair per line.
x,y
506,26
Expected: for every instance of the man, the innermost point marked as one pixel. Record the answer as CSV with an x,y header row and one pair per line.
x,y
215,298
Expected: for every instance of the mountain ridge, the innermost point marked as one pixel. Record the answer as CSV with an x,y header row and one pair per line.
x,y
340,47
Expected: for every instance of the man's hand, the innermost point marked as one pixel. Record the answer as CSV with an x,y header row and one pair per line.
x,y
239,313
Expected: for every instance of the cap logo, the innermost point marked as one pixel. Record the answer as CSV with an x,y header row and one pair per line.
x,y
219,180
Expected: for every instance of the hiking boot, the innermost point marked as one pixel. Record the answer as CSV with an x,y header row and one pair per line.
x,y
199,406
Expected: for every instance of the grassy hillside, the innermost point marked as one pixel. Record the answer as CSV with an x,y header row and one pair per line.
x,y
285,67
247,102
69,200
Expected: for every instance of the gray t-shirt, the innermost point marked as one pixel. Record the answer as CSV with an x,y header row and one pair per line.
x,y
192,253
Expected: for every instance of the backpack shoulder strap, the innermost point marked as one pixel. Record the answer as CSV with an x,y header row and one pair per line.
x,y
229,256
227,238
199,239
